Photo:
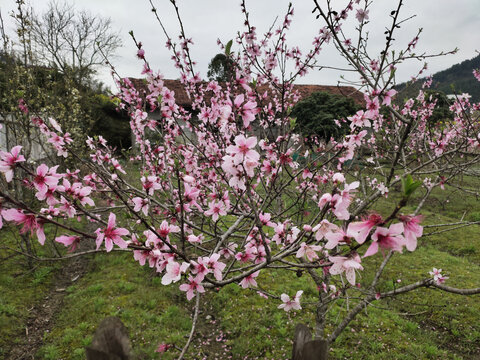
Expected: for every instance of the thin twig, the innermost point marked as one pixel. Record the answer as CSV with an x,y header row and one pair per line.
x,y
194,324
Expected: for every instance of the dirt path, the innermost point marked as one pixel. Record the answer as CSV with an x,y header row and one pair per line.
x,y
42,315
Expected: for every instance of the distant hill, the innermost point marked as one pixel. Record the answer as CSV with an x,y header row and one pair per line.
x,y
459,75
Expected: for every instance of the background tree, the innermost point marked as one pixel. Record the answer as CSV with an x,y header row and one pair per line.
x,y
316,115
73,41
221,68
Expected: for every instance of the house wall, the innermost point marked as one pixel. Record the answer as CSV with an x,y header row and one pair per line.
x,y
35,149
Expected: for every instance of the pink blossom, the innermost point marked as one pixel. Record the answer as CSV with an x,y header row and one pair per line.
x,y
163,348
49,196
292,234
246,256
249,280
262,294
280,233
309,251
81,193
8,161
215,266
340,207
289,304
228,251
387,97
372,107
141,204
437,276
174,272
247,111
116,165
338,178
359,120
363,227
67,207
190,196
150,184
194,239
412,230
45,178
476,73
29,222
243,149
71,241
340,237
307,174
54,124
111,235
362,15
192,286
22,106
387,239
347,264
323,228
216,209
141,256
200,268
165,229
265,219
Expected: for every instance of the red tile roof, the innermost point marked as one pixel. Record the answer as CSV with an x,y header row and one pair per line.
x,y
182,98
348,91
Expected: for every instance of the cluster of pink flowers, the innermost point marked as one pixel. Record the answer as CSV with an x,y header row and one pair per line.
x,y
437,276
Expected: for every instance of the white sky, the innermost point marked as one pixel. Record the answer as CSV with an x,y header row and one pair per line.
x,y
447,24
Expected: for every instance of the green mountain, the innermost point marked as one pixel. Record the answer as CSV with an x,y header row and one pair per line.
x,y
457,79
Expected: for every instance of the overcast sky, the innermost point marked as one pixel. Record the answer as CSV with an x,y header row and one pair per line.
x,y
447,24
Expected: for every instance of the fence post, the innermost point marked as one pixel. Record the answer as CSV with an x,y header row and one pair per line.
x,y
304,348
110,341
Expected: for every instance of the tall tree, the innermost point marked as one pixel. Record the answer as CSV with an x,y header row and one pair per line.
x,y
73,41
221,68
316,115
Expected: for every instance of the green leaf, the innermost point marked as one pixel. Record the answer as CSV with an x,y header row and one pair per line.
x,y
228,47
293,122
409,186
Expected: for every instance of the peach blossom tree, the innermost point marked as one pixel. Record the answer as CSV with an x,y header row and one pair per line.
x,y
230,191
